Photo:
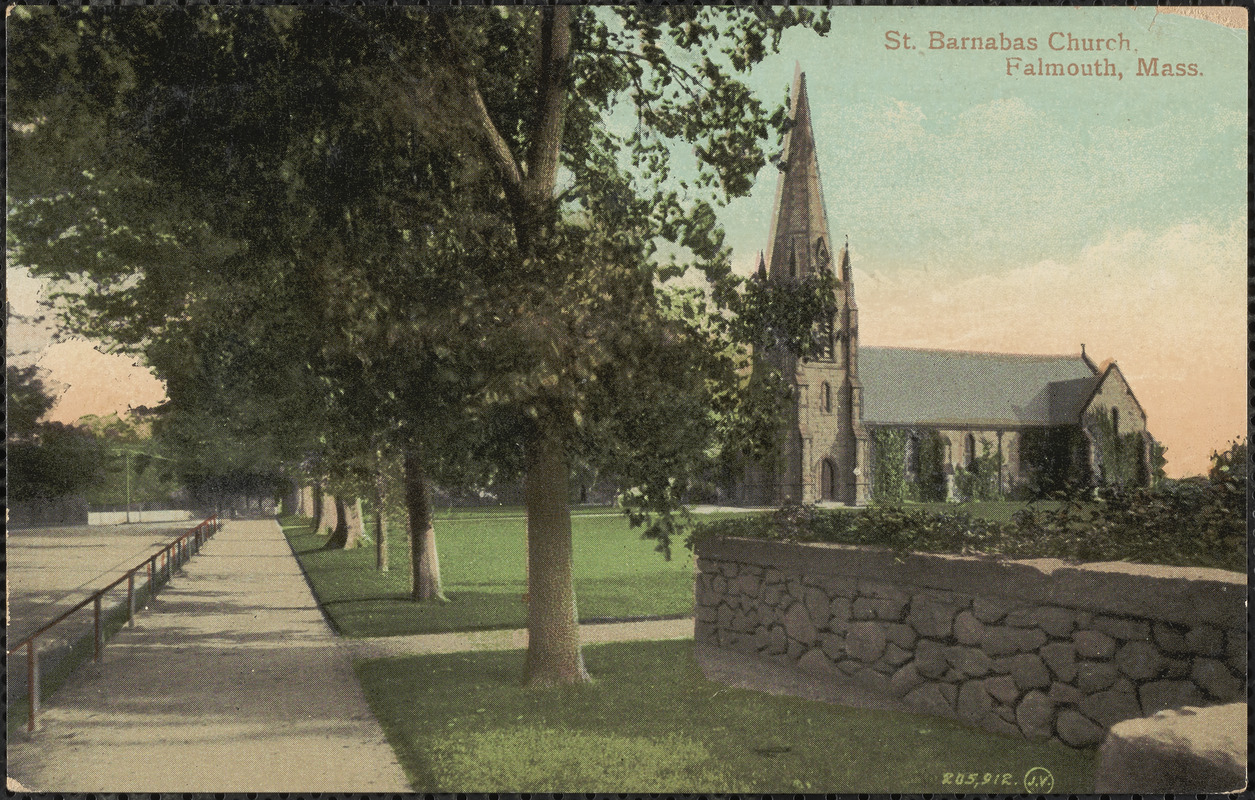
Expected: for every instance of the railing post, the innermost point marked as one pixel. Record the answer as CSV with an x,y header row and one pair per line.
x,y
100,634
32,681
152,589
130,599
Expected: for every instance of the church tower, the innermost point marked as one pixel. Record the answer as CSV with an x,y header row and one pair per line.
x,y
822,452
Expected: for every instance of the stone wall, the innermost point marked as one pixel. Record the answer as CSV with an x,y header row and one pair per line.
x,y
1038,648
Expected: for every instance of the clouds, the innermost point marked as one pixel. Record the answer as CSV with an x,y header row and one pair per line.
x,y
1010,179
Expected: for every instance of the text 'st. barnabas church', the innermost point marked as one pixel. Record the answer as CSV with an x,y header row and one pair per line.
x,y
936,422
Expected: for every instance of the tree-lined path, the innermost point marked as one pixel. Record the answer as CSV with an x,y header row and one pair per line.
x,y
230,681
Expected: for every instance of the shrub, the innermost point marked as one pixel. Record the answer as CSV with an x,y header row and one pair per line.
x,y
1198,522
1055,460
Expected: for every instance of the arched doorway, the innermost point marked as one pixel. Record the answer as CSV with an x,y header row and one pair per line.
x,y
828,480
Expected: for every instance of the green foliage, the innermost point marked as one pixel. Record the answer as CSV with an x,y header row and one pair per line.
x,y
897,477
1121,456
461,721
1158,460
1055,461
1185,523
55,461
353,218
45,460
981,479
27,400
930,482
1230,467
889,465
367,206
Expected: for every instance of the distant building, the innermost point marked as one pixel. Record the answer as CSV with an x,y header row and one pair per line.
x,y
903,423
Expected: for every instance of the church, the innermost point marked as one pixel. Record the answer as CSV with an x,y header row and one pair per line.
x,y
892,424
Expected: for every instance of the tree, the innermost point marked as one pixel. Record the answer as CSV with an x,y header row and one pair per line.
x,y
45,459
398,177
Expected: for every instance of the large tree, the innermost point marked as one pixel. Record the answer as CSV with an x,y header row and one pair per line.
x,y
45,459
454,198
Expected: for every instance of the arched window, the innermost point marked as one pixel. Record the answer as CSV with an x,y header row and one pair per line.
x,y
792,262
1115,421
826,398
828,480
969,451
821,254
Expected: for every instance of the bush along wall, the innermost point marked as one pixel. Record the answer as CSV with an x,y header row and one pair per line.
x,y
1197,523
1028,649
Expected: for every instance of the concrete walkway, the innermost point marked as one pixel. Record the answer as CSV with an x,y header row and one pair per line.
x,y
231,681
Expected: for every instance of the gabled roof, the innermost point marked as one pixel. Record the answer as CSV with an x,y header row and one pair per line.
x,y
1108,368
908,386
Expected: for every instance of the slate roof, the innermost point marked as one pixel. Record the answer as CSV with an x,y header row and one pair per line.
x,y
907,386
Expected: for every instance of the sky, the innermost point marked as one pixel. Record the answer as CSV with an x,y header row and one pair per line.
x,y
985,210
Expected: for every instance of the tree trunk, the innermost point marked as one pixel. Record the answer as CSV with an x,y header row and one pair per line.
x,y
381,526
328,513
340,534
424,561
317,503
305,505
553,631
356,524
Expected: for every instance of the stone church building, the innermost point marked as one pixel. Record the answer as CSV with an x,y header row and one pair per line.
x,y
918,416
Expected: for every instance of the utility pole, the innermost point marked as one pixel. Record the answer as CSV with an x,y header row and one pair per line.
x,y
128,485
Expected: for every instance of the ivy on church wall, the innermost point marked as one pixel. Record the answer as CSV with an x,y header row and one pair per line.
x,y
1120,458
888,466
898,475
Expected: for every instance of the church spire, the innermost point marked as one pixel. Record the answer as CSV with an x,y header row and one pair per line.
x,y
799,230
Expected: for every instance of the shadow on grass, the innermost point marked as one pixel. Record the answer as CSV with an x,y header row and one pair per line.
x,y
651,721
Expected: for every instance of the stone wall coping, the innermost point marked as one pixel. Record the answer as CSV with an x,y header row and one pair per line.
x,y
1184,595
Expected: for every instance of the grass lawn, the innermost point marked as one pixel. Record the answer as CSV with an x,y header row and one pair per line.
x,y
650,722
483,558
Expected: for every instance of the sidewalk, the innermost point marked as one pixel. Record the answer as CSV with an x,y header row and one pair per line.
x,y
231,681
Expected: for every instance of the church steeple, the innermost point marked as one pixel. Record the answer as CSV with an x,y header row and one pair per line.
x,y
800,243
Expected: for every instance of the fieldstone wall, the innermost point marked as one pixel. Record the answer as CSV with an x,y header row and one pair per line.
x,y
1038,648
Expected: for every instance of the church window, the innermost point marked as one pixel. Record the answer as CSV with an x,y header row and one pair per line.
x,y
827,398
821,254
824,340
792,262
1115,421
969,451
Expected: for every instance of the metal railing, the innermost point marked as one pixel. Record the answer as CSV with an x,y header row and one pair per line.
x,y
172,556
